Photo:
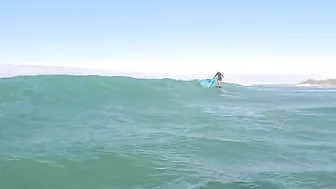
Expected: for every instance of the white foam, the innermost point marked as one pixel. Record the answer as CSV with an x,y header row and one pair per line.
x,y
238,83
305,85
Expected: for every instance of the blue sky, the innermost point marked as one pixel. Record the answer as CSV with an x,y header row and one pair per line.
x,y
175,36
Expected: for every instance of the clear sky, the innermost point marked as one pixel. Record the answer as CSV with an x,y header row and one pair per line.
x,y
172,36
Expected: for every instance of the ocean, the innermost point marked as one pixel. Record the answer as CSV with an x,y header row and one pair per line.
x,y
99,132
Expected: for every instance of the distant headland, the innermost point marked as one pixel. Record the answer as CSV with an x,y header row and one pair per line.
x,y
325,82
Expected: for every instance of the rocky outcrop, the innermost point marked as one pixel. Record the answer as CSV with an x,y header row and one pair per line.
x,y
325,82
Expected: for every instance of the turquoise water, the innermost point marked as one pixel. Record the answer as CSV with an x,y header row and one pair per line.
x,y
91,132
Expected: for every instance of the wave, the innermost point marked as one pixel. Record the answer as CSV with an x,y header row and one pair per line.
x,y
157,131
102,88
93,91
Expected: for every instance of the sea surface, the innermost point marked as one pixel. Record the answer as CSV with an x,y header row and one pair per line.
x,y
95,132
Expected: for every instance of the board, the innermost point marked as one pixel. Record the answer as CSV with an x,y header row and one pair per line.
x,y
208,82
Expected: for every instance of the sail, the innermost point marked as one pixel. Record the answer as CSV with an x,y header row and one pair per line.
x,y
208,82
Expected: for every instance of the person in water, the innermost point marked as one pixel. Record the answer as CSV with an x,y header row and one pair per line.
x,y
220,76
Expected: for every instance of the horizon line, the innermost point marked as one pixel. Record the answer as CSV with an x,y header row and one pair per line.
x,y
34,69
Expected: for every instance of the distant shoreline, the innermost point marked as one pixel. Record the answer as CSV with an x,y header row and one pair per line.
x,y
313,82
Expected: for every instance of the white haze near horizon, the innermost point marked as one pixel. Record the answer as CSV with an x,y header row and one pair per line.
x,y
180,72
244,69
